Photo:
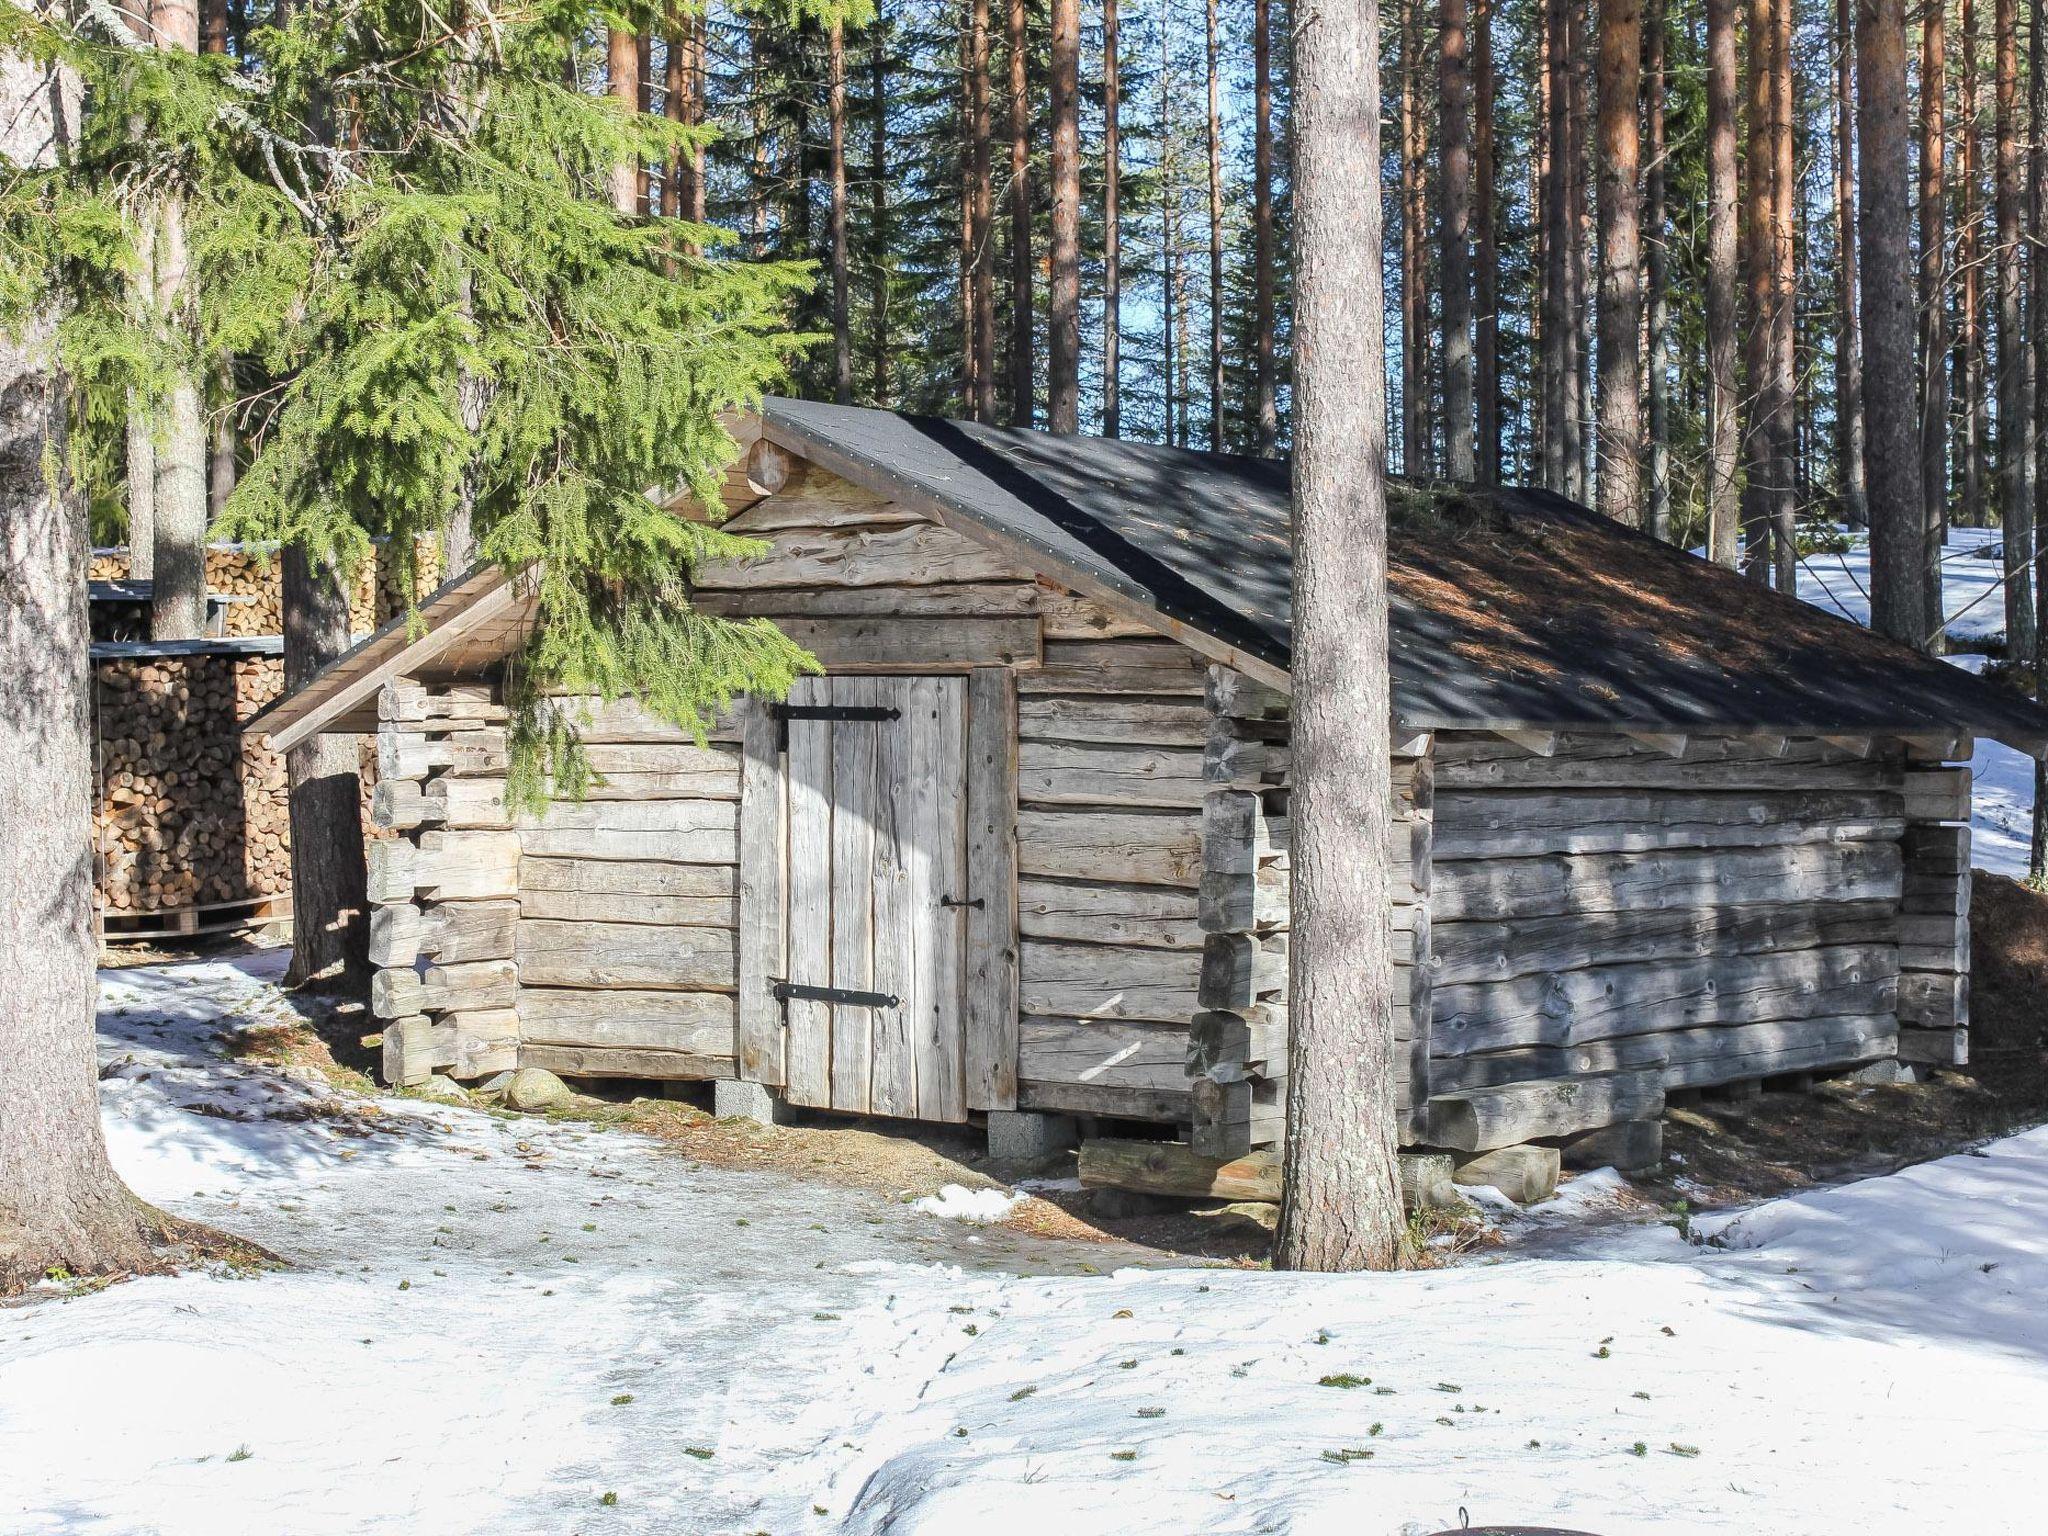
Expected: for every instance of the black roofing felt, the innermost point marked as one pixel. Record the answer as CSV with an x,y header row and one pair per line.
x,y
1514,608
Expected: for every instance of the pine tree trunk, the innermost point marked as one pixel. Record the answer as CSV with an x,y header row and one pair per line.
x,y
1557,316
622,83
141,488
1969,271
1578,224
1022,388
1340,1207
1415,453
62,1207
1486,260
1933,305
645,200
1063,318
1724,394
1112,226
2015,480
1215,146
1621,262
213,26
1760,203
1784,434
1898,578
835,116
330,925
1848,332
1658,520
178,499
1454,253
2037,384
880,234
1266,402
1169,240
981,392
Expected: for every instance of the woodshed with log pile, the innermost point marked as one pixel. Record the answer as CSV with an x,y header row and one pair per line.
x,y
1020,854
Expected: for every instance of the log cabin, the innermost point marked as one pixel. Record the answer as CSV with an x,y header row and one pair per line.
x,y
1019,856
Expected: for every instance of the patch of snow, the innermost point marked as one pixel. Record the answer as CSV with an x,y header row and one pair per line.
x,y
1594,1192
490,1324
983,1207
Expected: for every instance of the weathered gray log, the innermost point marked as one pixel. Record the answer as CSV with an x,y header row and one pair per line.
x,y
413,754
554,954
677,911
606,1061
1934,999
1087,911
1686,1057
1239,969
1935,1047
1070,616
1516,824
478,984
1128,722
820,501
445,866
599,721
1090,773
1229,692
451,932
920,641
1244,901
761,909
1229,1119
1948,894
1127,847
699,1023
1107,982
914,554
1933,849
1106,1053
955,600
989,998
1462,952
1543,887
1938,794
1238,835
412,703
406,1052
477,1042
706,845
1094,1099
626,878
1482,1119
1648,770
1572,1007
1172,1169
1157,668
1229,1046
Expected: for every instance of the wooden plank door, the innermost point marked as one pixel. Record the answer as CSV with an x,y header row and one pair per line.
x,y
877,884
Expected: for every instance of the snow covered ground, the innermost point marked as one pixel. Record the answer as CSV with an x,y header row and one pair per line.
x,y
1975,603
492,1324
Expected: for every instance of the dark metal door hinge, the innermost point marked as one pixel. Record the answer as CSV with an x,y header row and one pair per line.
x,y
785,990
978,903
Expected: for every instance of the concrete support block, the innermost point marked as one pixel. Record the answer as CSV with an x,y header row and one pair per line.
x,y
1524,1174
731,1099
1022,1136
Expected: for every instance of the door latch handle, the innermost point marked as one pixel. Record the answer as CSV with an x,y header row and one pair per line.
x,y
954,901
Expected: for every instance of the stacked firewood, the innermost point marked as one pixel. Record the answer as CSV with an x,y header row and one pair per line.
x,y
190,813
251,579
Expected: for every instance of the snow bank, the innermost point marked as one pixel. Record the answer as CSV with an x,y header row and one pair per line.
x,y
493,1323
984,1207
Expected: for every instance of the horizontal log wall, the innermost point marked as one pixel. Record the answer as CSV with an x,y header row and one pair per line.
x,y
1934,930
1110,733
1238,1044
1639,916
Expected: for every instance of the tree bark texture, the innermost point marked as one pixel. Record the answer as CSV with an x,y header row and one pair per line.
x,y
1621,262
1415,445
1898,578
62,1207
1454,254
1657,510
1112,224
1724,421
835,218
1969,345
330,924
1486,249
178,499
1933,304
1063,338
1340,1207
981,250
1212,50
1022,388
1557,316
1848,328
1266,401
622,84
2015,478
